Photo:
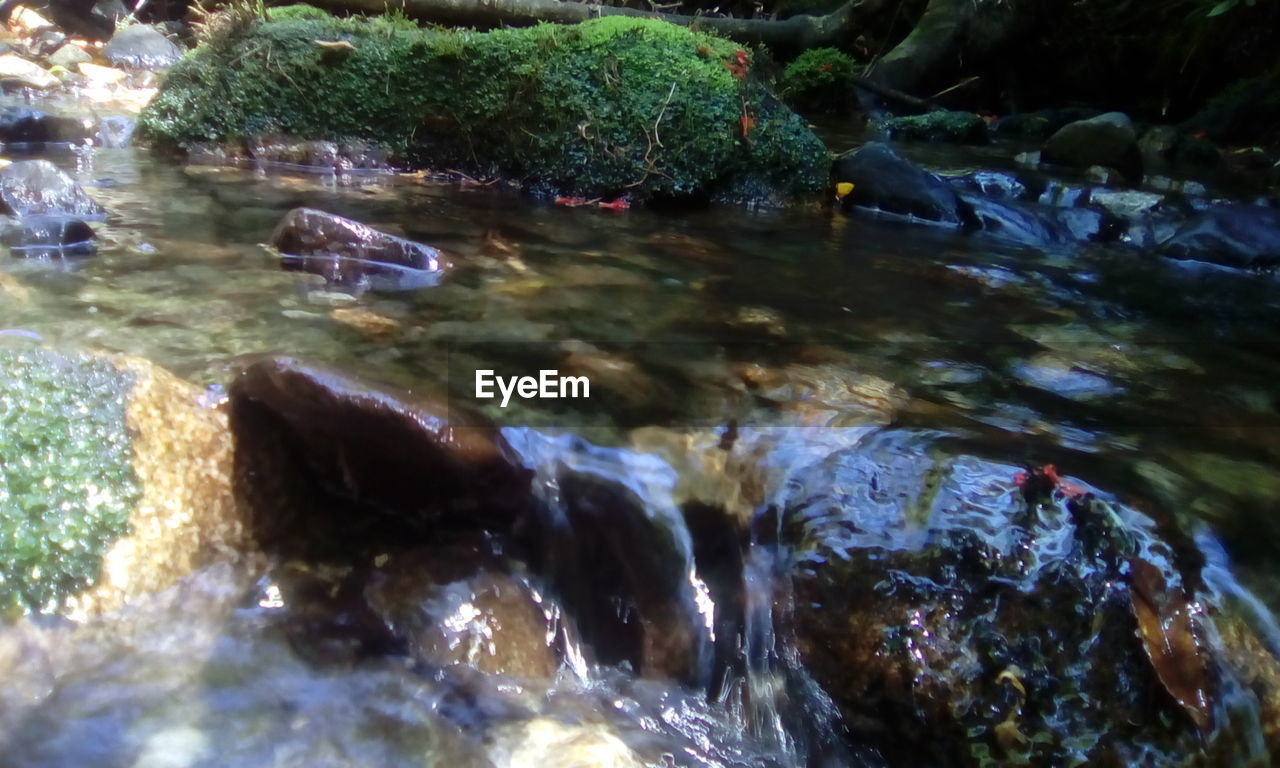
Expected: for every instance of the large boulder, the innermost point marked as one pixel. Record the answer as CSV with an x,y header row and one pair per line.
x,y
1108,140
351,254
116,482
38,187
959,611
608,107
141,46
884,180
19,72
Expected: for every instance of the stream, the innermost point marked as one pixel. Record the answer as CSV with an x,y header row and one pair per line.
x,y
876,381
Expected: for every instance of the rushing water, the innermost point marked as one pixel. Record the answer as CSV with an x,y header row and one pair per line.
x,y
797,330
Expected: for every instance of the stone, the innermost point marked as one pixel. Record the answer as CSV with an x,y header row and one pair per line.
x,y
141,46
23,125
1107,140
101,75
348,253
39,187
883,180
330,464
128,474
49,236
1233,235
15,70
68,55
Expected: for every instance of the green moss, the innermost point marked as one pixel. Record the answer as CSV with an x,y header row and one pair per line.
x,y
66,482
942,125
610,106
297,11
820,79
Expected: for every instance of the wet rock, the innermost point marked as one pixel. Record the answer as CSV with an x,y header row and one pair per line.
x,y
48,236
114,132
1014,222
116,481
16,71
1234,235
996,185
331,466
611,544
141,46
984,613
38,187
885,181
69,55
322,156
455,605
348,253
1107,140
100,75
22,125
940,126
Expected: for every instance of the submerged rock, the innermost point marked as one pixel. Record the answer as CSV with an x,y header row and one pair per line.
x,y
45,237
884,180
1244,236
608,107
39,187
141,46
1107,140
116,482
349,253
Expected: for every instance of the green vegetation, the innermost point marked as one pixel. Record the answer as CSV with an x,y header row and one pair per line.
x,y
820,79
942,125
66,482
611,106
298,11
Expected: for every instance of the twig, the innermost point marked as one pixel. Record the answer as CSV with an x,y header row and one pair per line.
x,y
965,83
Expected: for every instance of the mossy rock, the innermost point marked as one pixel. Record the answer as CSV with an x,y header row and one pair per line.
x,y
940,126
113,481
819,80
297,11
607,107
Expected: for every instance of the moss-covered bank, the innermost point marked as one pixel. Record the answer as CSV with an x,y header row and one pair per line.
x,y
611,106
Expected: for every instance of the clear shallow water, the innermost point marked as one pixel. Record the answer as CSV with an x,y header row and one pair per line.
x,y
1150,379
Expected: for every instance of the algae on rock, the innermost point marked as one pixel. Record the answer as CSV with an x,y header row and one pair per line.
x,y
607,107
66,480
114,482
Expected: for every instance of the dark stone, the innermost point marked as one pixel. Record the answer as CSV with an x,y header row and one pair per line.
x,y
1233,235
22,125
49,236
141,46
617,557
885,181
1107,140
38,187
999,185
1014,222
329,466
938,606
348,253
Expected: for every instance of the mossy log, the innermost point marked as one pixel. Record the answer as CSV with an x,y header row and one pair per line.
x,y
795,33
608,107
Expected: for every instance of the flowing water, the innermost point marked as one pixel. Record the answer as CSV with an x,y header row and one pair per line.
x,y
794,335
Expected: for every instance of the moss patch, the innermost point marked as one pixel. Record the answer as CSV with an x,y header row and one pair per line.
x,y
66,481
942,126
610,106
820,80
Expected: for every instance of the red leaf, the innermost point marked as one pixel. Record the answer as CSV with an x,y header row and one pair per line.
x,y
621,204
